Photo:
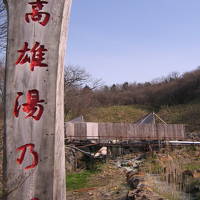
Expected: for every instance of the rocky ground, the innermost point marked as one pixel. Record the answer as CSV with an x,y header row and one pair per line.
x,y
132,177
139,188
170,174
108,184
119,179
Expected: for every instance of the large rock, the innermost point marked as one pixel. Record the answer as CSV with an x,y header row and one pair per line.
x,y
137,194
73,160
187,173
133,180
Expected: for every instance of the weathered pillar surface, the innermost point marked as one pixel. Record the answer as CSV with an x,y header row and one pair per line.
x,y
34,115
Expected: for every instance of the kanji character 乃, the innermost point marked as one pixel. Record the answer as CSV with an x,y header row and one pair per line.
x,y
32,105
23,150
37,56
36,15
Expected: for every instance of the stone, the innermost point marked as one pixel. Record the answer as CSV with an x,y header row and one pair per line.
x,y
133,182
187,173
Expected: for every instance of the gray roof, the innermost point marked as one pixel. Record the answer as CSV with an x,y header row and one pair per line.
x,y
77,119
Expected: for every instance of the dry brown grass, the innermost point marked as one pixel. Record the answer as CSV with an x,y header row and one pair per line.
x,y
116,114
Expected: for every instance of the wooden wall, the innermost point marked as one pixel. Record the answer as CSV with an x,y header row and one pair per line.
x,y
123,131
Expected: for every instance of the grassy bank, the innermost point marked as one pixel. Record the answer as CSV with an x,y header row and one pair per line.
x,y
79,180
174,173
185,113
116,113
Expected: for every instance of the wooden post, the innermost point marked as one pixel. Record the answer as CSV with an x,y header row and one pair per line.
x,y
34,159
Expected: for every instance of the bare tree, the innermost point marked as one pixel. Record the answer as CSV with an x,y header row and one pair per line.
x,y
79,88
3,27
76,77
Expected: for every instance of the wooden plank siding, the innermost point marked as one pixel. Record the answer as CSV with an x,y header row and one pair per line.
x,y
124,131
80,131
92,130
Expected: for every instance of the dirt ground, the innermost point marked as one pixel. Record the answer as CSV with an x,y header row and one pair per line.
x,y
109,184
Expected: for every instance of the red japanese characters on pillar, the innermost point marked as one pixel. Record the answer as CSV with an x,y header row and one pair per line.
x,y
34,154
37,56
17,106
35,199
37,15
32,105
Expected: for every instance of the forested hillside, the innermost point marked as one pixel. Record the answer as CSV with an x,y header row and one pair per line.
x,y
176,98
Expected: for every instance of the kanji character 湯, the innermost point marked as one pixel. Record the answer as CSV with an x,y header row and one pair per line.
x,y
23,150
37,56
17,107
36,15
31,106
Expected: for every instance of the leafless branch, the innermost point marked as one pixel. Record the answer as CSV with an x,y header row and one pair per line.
x,y
76,77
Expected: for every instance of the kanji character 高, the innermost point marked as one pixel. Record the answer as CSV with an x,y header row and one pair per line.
x,y
37,15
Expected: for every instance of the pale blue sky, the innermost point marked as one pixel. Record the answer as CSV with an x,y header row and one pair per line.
x,y
134,40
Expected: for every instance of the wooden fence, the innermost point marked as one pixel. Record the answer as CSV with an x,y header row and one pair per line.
x,y
123,131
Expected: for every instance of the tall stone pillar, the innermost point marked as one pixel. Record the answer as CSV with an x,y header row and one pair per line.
x,y
34,158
